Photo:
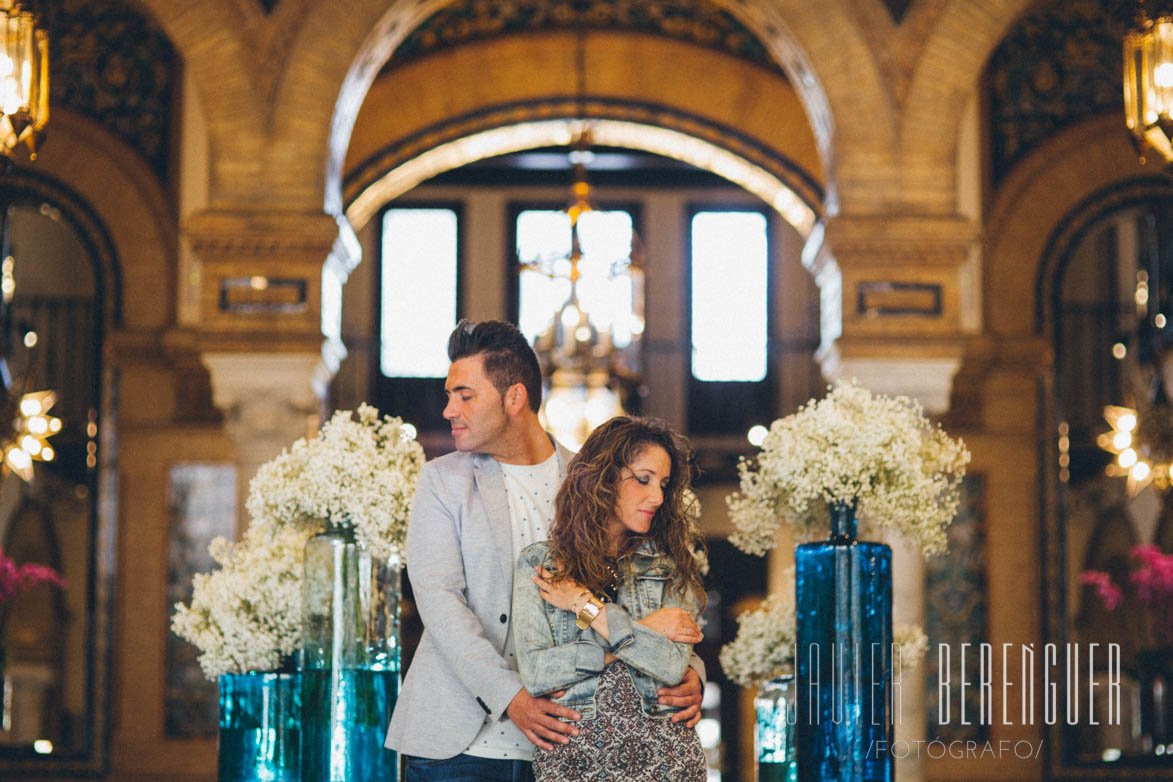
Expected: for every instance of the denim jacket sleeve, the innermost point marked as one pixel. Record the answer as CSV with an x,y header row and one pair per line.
x,y
544,664
646,650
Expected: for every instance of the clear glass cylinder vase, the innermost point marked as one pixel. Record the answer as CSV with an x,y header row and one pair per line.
x,y
349,659
843,656
260,728
774,710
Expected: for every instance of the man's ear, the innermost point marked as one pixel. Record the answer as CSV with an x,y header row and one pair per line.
x,y
516,398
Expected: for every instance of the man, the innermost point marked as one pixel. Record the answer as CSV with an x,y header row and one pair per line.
x,y
463,713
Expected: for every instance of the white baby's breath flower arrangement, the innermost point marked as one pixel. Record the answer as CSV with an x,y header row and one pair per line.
x,y
692,511
246,616
912,643
361,470
764,646
878,453
358,470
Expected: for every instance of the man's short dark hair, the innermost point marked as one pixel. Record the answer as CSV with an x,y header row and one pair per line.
x,y
507,356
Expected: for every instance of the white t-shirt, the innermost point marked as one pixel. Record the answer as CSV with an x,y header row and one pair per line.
x,y
530,491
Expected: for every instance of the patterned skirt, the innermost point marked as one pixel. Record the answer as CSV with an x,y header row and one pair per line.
x,y
622,744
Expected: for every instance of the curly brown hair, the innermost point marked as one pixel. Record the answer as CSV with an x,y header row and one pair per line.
x,y
586,503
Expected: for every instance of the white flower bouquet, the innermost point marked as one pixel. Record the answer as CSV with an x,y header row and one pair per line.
x,y
852,447
247,616
764,645
362,472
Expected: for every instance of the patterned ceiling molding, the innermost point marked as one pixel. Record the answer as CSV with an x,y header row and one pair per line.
x,y
113,64
369,171
700,22
1059,65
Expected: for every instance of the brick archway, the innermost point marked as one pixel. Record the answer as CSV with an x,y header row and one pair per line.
x,y
882,101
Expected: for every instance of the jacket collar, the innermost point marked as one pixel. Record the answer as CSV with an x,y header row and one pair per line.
x,y
646,548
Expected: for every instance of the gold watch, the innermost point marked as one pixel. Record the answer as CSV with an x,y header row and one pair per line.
x,y
589,612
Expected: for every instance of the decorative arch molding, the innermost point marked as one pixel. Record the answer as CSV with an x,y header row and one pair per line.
x,y
81,209
945,78
281,107
767,173
703,22
1034,200
33,185
1075,225
762,18
125,196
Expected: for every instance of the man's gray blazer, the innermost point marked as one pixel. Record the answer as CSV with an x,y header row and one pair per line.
x,y
460,561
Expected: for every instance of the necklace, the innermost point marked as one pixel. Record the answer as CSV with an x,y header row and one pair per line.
x,y
613,573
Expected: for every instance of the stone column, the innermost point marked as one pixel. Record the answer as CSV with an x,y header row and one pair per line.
x,y
898,306
268,330
268,402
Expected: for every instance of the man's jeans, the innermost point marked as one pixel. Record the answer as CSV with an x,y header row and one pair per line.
x,y
466,768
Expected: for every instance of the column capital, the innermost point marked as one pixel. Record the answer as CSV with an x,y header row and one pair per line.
x,y
260,273
241,378
923,369
268,400
900,297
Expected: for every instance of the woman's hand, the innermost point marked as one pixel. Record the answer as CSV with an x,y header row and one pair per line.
x,y
674,623
567,595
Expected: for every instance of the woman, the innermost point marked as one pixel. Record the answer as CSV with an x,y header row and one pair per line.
x,y
595,607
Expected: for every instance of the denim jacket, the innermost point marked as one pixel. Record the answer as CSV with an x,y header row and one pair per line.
x,y
553,654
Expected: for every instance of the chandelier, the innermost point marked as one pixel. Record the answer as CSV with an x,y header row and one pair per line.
x,y
24,80
31,427
582,356
1148,84
583,352
1141,435
1139,455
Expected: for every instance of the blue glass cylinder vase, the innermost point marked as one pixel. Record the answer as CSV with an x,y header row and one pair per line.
x,y
843,656
350,659
260,728
774,730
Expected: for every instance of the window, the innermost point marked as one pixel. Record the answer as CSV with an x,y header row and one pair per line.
x,y
729,324
729,290
418,291
418,307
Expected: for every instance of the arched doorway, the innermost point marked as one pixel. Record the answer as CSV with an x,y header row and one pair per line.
x,y
65,297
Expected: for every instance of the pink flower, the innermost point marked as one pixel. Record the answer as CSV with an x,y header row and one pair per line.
x,y
1154,579
32,573
1109,592
14,580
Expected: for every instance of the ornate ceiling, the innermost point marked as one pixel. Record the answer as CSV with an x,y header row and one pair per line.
x,y
698,21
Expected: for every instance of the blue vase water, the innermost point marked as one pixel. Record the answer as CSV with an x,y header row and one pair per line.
x,y
260,728
774,711
350,659
843,656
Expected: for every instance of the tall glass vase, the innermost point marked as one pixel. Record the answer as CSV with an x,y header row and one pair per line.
x,y
774,730
260,728
350,659
843,654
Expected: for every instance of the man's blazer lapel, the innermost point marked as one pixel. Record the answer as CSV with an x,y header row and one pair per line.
x,y
490,482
